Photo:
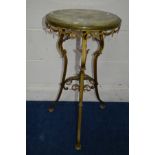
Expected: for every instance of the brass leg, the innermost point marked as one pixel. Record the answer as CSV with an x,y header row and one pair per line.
x,y
82,74
100,42
64,55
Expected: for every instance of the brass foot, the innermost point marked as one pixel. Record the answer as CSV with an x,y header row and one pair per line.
x,y
102,106
50,109
78,147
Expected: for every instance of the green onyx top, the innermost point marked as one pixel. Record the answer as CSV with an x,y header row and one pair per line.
x,y
82,19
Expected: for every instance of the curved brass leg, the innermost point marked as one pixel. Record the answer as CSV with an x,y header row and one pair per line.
x,y
100,42
64,55
82,74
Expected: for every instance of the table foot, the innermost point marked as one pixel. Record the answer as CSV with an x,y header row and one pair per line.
x,y
78,147
50,109
102,105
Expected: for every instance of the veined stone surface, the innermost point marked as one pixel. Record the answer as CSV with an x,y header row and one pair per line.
x,y
83,19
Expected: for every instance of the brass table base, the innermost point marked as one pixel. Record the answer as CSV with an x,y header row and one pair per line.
x,y
82,24
81,77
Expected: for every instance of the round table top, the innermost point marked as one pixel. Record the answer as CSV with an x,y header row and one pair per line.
x,y
83,19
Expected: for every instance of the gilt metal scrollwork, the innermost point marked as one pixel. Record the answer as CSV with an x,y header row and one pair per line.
x,y
75,86
72,34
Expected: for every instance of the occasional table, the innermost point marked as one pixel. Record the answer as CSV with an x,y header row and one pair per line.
x,y
83,24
